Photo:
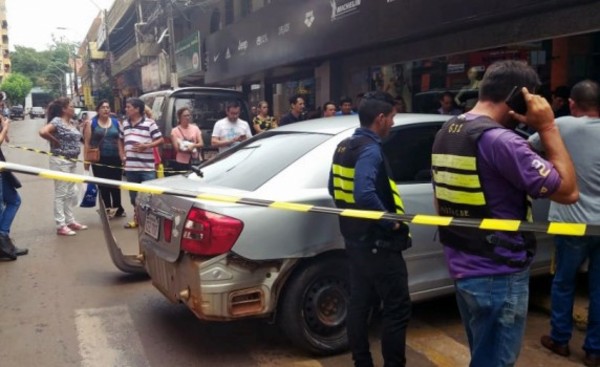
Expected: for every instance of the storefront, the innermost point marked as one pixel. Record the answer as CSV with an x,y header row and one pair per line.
x,y
560,61
410,49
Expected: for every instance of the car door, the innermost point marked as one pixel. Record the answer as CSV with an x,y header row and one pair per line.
x,y
408,150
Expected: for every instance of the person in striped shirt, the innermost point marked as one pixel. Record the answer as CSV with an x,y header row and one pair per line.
x,y
140,136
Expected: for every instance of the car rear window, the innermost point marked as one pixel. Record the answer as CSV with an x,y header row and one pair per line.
x,y
252,163
206,108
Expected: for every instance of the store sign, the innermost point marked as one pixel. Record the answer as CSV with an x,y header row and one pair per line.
x,y
188,54
288,32
343,8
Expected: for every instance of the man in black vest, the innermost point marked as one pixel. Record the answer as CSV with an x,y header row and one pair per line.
x,y
482,169
359,179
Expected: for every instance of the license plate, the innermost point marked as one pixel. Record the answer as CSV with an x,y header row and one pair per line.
x,y
152,225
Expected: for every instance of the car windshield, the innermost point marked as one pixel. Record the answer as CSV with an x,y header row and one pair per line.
x,y
251,164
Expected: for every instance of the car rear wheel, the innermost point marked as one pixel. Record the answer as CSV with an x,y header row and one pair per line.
x,y
315,305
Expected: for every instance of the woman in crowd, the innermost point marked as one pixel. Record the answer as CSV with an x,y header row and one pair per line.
x,y
10,200
187,140
65,141
262,121
103,132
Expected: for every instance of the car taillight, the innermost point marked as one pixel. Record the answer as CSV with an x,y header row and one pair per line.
x,y
208,233
168,229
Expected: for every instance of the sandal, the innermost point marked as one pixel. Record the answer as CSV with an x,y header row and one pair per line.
x,y
132,224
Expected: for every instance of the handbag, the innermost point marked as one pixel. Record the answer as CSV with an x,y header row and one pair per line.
x,y
92,155
89,198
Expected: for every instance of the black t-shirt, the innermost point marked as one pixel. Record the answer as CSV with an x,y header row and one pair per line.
x,y
289,119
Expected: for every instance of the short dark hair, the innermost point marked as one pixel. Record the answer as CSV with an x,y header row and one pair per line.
x,y
447,94
345,100
102,101
586,94
562,91
294,99
136,103
373,104
502,76
327,104
231,104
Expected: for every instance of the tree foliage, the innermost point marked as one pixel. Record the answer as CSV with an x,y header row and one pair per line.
x,y
17,86
46,68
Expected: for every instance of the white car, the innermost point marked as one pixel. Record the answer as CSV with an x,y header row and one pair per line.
x,y
228,261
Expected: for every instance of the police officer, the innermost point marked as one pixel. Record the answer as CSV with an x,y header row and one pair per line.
x,y
359,179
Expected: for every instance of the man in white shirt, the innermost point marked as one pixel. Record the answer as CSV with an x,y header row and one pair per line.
x,y
231,130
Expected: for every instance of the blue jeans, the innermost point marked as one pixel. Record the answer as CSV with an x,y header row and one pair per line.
x,y
11,201
493,311
571,252
138,177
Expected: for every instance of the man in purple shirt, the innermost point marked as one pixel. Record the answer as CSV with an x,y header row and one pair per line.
x,y
482,169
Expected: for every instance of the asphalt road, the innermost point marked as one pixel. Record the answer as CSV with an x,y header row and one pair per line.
x,y
65,304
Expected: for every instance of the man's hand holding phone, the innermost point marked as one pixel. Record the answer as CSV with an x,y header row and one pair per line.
x,y
537,112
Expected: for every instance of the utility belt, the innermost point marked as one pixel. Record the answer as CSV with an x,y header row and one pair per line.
x,y
394,241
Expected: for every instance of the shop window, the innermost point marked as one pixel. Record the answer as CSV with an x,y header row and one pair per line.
x,y
215,21
229,12
245,7
408,150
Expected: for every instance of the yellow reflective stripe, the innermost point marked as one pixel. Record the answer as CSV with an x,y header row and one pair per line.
x,y
431,220
454,161
568,229
459,197
457,179
500,224
347,185
343,196
397,198
59,176
342,171
366,214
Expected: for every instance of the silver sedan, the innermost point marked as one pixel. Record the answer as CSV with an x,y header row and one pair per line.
x,y
227,261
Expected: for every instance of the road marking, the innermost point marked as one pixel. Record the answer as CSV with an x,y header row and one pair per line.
x,y
107,337
436,346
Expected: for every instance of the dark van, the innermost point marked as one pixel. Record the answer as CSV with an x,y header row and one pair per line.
x,y
207,106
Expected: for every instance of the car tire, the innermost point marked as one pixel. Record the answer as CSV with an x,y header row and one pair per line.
x,y
314,306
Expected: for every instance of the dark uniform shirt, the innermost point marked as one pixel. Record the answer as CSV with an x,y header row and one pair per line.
x,y
289,119
366,182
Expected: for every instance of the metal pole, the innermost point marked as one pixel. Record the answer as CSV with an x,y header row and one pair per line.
x,y
170,26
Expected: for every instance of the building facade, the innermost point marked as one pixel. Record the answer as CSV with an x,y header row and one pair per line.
x,y
4,52
271,49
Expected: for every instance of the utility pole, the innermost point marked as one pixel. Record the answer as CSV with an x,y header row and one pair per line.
x,y
171,30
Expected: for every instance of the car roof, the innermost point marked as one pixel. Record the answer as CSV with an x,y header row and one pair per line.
x,y
337,124
169,92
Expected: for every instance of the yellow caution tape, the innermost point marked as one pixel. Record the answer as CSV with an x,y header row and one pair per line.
x,y
160,172
510,225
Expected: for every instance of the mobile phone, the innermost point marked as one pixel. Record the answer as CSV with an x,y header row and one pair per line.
x,y
516,100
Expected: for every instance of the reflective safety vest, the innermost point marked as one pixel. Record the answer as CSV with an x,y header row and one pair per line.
x,y
344,161
459,193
